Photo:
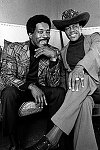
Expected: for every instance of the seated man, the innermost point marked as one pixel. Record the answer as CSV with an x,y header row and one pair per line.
x,y
81,57
30,72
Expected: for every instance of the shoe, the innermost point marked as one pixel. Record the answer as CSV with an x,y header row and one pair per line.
x,y
56,147
42,144
14,148
14,143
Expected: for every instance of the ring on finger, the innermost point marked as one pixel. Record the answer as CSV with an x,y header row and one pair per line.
x,y
77,79
82,79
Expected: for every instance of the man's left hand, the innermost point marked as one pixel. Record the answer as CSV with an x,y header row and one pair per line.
x,y
76,77
49,52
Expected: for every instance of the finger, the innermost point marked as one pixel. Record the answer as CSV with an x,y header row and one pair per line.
x,y
82,78
69,81
74,79
38,49
77,84
73,85
82,82
41,102
36,100
38,53
45,102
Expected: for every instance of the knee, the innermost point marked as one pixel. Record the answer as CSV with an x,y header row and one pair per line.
x,y
88,102
60,92
9,93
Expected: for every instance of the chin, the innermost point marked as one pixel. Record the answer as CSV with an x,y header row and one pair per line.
x,y
74,38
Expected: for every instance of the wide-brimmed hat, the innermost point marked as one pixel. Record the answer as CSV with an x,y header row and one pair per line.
x,y
70,17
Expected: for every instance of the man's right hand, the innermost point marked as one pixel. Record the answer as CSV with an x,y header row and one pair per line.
x,y
38,95
76,77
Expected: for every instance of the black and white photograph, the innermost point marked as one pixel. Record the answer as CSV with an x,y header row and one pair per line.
x,y
49,74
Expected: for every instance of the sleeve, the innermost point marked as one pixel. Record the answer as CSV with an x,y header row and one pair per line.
x,y
63,76
9,68
91,61
53,74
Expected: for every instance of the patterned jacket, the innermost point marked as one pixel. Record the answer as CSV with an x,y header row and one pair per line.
x,y
91,60
15,67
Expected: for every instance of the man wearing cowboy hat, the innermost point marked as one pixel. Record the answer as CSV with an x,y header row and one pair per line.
x,y
81,58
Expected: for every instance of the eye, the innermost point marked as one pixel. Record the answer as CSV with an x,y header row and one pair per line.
x,y
48,31
67,28
75,26
40,32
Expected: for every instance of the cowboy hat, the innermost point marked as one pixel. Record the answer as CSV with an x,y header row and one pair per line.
x,y
70,17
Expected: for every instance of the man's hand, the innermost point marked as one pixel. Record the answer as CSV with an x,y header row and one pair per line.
x,y
38,95
76,77
47,51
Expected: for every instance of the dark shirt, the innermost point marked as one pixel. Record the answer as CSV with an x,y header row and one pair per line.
x,y
75,52
37,70
32,76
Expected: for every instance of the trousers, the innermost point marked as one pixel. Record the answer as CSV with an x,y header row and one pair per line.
x,y
76,113
12,98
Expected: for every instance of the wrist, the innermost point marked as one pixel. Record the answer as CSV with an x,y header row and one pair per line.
x,y
55,56
53,59
30,87
80,66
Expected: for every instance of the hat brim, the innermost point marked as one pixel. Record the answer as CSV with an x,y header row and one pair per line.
x,y
82,19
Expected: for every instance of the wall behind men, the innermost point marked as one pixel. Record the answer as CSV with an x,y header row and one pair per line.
x,y
19,11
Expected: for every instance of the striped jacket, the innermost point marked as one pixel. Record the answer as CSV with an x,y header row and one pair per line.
x,y
15,67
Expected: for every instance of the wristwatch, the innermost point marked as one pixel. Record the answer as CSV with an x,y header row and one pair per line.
x,y
55,57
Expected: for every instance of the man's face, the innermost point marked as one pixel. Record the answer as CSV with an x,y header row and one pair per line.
x,y
73,32
41,35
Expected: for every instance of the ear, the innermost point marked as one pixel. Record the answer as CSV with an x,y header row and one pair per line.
x,y
81,28
30,35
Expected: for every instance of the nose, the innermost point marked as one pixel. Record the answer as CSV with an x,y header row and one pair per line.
x,y
71,28
45,34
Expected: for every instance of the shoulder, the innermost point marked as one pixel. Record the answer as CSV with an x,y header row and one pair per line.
x,y
93,37
14,48
18,44
17,47
64,49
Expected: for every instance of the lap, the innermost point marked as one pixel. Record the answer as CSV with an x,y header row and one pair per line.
x,y
53,92
23,96
11,93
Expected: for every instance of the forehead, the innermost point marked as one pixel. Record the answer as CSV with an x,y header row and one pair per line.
x,y
42,26
73,25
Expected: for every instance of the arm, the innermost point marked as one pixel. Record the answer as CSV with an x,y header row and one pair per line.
x,y
63,76
56,74
89,64
9,69
91,61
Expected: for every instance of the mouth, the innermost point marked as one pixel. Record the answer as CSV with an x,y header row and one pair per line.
x,y
73,34
43,42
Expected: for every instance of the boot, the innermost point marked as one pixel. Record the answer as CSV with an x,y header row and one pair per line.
x,y
14,143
